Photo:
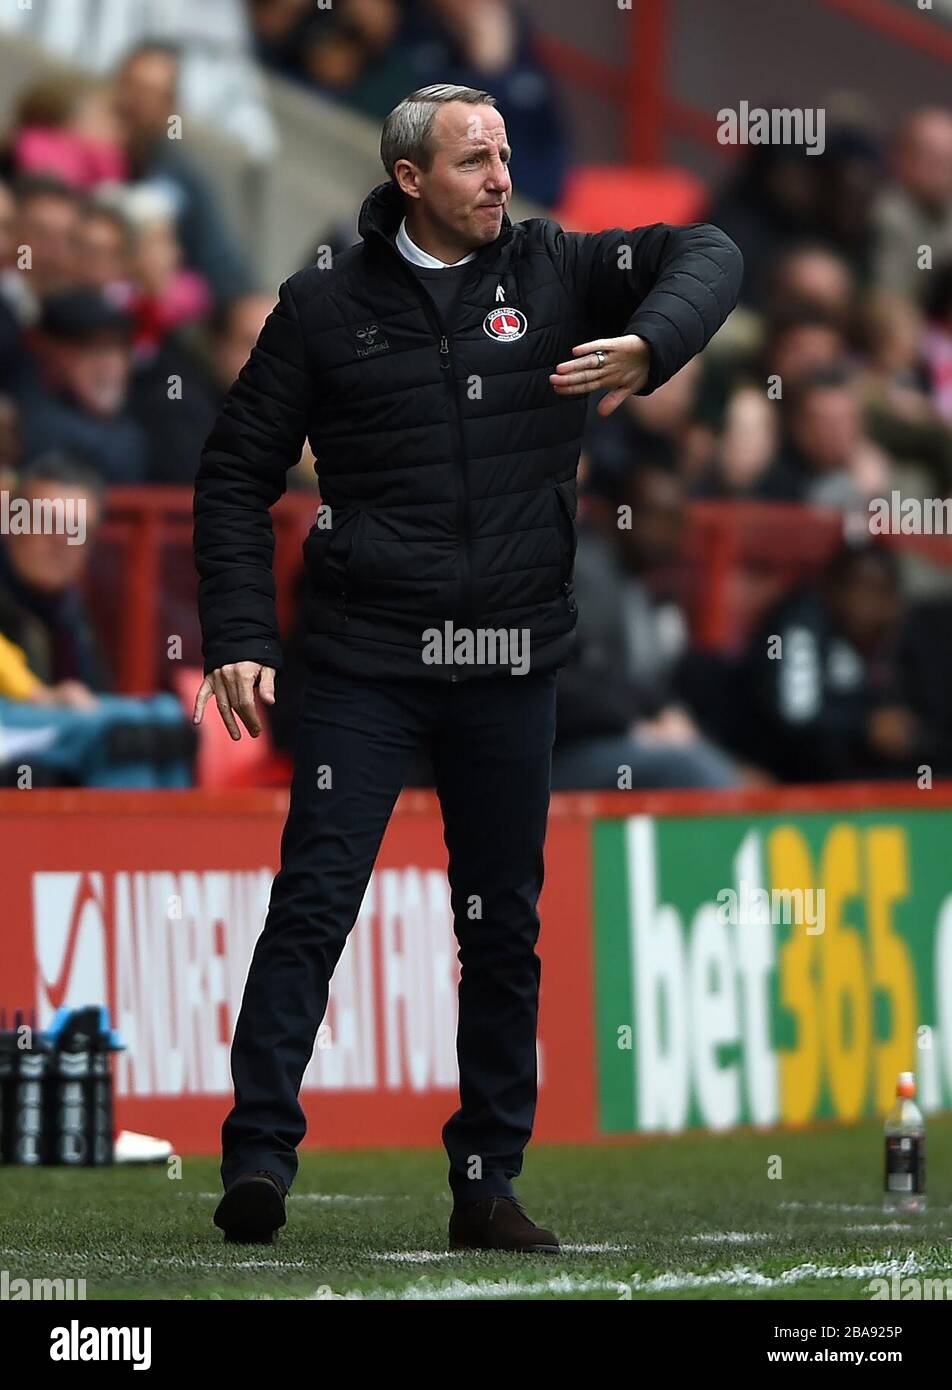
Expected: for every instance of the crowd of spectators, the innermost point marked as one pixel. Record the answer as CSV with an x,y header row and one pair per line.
x,y
828,388
369,53
830,385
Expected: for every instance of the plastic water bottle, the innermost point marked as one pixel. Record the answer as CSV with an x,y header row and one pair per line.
x,y
905,1151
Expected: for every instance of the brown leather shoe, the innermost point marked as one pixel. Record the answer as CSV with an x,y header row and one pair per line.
x,y
498,1223
252,1209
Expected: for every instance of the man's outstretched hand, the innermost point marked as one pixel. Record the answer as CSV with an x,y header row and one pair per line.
x,y
234,690
623,369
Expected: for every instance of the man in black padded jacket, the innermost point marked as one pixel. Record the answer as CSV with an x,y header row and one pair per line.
x,y
439,372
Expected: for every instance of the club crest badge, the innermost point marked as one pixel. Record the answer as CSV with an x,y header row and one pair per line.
x,y
505,325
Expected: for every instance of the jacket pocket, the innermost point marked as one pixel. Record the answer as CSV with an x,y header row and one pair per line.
x,y
329,553
566,506
351,571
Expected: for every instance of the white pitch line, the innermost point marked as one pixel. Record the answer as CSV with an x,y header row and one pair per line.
x,y
417,1257
424,1256
840,1206
830,1206
740,1276
598,1248
884,1226
738,1237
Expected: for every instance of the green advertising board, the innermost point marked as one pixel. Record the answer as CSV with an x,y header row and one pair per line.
x,y
762,969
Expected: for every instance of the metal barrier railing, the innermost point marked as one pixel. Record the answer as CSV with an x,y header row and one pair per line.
x,y
737,558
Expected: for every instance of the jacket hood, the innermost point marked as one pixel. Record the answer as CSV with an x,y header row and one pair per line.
x,y
382,213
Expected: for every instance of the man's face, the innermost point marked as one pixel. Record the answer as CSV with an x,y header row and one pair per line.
x,y
467,186
866,606
233,346
48,226
924,162
95,373
103,251
827,428
818,279
653,541
50,562
805,347
144,97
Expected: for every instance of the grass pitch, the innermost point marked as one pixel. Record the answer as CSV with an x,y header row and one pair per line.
x,y
694,1217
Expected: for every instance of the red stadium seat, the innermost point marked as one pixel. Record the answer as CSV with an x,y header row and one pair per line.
x,y
615,195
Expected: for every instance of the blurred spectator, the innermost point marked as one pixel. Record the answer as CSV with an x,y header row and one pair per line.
x,y
769,207
924,679
47,218
617,697
826,447
10,301
220,84
55,714
938,342
815,279
821,679
847,181
351,54
42,610
660,427
234,331
176,427
915,211
104,246
74,396
370,53
275,24
747,465
8,241
9,439
488,43
48,101
160,293
61,127
145,97
900,413
801,340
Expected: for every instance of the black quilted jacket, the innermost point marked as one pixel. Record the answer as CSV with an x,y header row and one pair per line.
x,y
445,458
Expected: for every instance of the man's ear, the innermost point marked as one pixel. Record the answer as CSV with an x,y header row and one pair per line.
x,y
406,176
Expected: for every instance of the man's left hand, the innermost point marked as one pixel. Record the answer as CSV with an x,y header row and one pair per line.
x,y
616,365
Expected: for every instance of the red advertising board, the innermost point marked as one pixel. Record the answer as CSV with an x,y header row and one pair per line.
x,y
152,902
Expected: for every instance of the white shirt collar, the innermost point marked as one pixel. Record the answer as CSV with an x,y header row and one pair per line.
x,y
415,254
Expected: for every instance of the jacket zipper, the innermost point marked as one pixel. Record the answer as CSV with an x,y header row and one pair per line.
x,y
462,492
462,496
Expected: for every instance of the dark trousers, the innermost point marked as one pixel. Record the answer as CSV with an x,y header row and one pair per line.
x,y
490,743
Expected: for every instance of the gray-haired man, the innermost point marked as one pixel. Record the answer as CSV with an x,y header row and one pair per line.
x,y
440,372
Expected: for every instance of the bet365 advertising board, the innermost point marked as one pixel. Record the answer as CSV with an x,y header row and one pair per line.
x,y
771,968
